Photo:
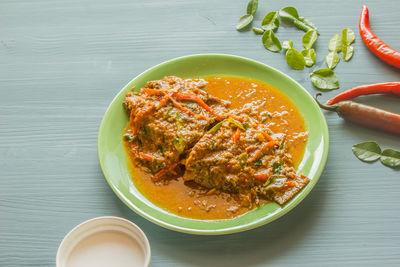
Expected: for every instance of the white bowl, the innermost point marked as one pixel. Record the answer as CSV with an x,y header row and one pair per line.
x,y
104,241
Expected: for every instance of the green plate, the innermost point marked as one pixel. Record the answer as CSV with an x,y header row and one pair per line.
x,y
112,155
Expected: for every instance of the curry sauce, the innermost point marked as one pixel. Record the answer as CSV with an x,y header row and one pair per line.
x,y
188,198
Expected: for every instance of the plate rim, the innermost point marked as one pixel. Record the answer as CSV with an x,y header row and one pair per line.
x,y
236,229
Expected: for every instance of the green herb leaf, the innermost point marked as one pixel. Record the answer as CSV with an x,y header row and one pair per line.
x,y
302,26
179,143
309,23
242,160
277,167
289,13
335,43
309,39
367,151
178,120
258,30
271,42
309,56
216,127
287,44
324,79
236,123
348,36
347,51
244,21
332,59
391,158
252,7
295,59
270,21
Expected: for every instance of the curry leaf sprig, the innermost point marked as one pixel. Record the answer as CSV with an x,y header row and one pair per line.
x,y
323,79
370,151
246,20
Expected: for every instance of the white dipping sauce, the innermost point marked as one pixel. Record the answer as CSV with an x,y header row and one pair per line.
x,y
105,249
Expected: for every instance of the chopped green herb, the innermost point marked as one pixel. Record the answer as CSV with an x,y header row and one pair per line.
x,y
129,137
236,123
216,127
257,162
179,143
242,160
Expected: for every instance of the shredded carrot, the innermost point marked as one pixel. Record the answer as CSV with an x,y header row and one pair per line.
x,y
139,116
246,109
157,177
150,91
290,183
184,109
185,96
303,176
146,156
261,176
237,118
259,152
267,136
236,136
132,118
250,148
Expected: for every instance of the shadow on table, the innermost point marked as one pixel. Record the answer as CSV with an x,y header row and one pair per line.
x,y
248,248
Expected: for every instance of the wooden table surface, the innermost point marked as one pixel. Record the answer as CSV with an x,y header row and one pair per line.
x,y
62,62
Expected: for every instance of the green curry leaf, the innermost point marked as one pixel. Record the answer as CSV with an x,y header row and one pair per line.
x,y
348,36
391,158
309,23
309,39
332,59
258,30
367,151
270,21
324,79
309,56
287,44
244,21
335,43
271,42
289,13
295,59
252,7
347,51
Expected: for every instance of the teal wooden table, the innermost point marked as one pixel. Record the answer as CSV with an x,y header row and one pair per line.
x,y
62,62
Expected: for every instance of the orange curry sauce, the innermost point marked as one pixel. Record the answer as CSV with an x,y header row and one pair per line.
x,y
191,200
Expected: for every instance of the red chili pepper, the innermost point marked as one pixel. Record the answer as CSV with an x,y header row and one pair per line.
x,y
365,115
376,45
366,89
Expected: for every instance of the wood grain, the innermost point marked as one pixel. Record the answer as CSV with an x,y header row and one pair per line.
x,y
62,62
